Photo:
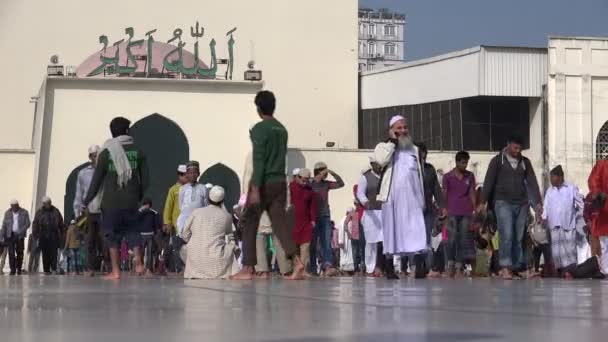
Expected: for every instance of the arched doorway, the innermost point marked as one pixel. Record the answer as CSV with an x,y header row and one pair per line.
x,y
601,143
222,175
165,146
70,193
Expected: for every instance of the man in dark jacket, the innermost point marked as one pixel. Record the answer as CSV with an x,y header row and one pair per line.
x,y
47,228
511,185
433,198
121,176
12,235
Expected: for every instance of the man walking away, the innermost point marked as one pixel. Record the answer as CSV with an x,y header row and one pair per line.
x,y
459,190
323,230
511,185
14,228
268,188
121,176
94,237
47,228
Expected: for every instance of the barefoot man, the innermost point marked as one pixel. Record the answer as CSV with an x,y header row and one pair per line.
x,y
121,177
267,189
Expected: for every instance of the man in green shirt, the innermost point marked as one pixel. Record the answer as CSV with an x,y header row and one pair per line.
x,y
120,178
268,188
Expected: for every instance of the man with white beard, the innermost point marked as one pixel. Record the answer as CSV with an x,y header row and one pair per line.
x,y
402,194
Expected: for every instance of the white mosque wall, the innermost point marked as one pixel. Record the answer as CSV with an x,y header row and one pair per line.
x,y
214,116
578,103
16,178
312,71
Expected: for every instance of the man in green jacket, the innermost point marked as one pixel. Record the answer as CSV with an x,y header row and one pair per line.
x,y
121,177
268,188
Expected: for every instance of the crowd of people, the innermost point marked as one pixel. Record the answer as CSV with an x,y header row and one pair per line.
x,y
404,219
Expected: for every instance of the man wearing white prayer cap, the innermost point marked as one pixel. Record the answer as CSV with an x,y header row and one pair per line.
x,y
208,255
15,224
367,194
401,194
94,238
171,213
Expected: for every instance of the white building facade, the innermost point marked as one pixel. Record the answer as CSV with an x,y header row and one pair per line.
x,y
381,39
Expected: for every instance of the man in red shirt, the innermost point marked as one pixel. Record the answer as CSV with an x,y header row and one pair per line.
x,y
598,189
305,213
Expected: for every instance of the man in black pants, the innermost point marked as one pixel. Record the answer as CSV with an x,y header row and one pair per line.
x,y
47,228
14,228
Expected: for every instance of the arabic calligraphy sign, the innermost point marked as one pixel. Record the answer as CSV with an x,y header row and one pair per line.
x,y
173,62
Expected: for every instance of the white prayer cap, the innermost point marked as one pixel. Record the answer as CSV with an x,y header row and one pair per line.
x,y
182,168
14,202
372,158
295,171
216,194
93,149
208,186
304,173
46,199
350,209
73,222
395,119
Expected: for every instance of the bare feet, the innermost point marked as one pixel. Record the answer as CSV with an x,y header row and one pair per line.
x,y
298,270
244,274
112,276
506,274
262,275
330,272
149,274
434,274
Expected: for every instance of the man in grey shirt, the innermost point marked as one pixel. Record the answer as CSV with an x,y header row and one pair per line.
x,y
94,239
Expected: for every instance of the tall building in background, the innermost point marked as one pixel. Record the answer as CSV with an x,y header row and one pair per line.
x,y
381,38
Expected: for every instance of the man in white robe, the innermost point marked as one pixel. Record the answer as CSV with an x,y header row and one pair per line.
x,y
402,194
562,215
192,195
367,194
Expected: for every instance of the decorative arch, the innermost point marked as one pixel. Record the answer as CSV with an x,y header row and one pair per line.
x,y
601,143
165,146
70,192
222,175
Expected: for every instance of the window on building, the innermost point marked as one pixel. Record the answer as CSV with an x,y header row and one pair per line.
x,y
371,49
389,30
370,66
390,50
372,29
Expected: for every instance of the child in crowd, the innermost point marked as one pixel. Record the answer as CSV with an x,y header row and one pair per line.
x,y
72,246
150,225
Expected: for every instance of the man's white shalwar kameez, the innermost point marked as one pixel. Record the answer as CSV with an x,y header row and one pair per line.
x,y
404,231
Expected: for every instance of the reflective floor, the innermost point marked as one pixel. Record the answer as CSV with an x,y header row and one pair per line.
x,y
61,308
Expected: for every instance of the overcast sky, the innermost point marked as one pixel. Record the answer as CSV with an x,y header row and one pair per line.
x,y
438,26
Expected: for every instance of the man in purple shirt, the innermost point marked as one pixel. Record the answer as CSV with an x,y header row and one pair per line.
x,y
459,192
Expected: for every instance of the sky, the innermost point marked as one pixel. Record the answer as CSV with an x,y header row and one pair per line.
x,y
434,27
